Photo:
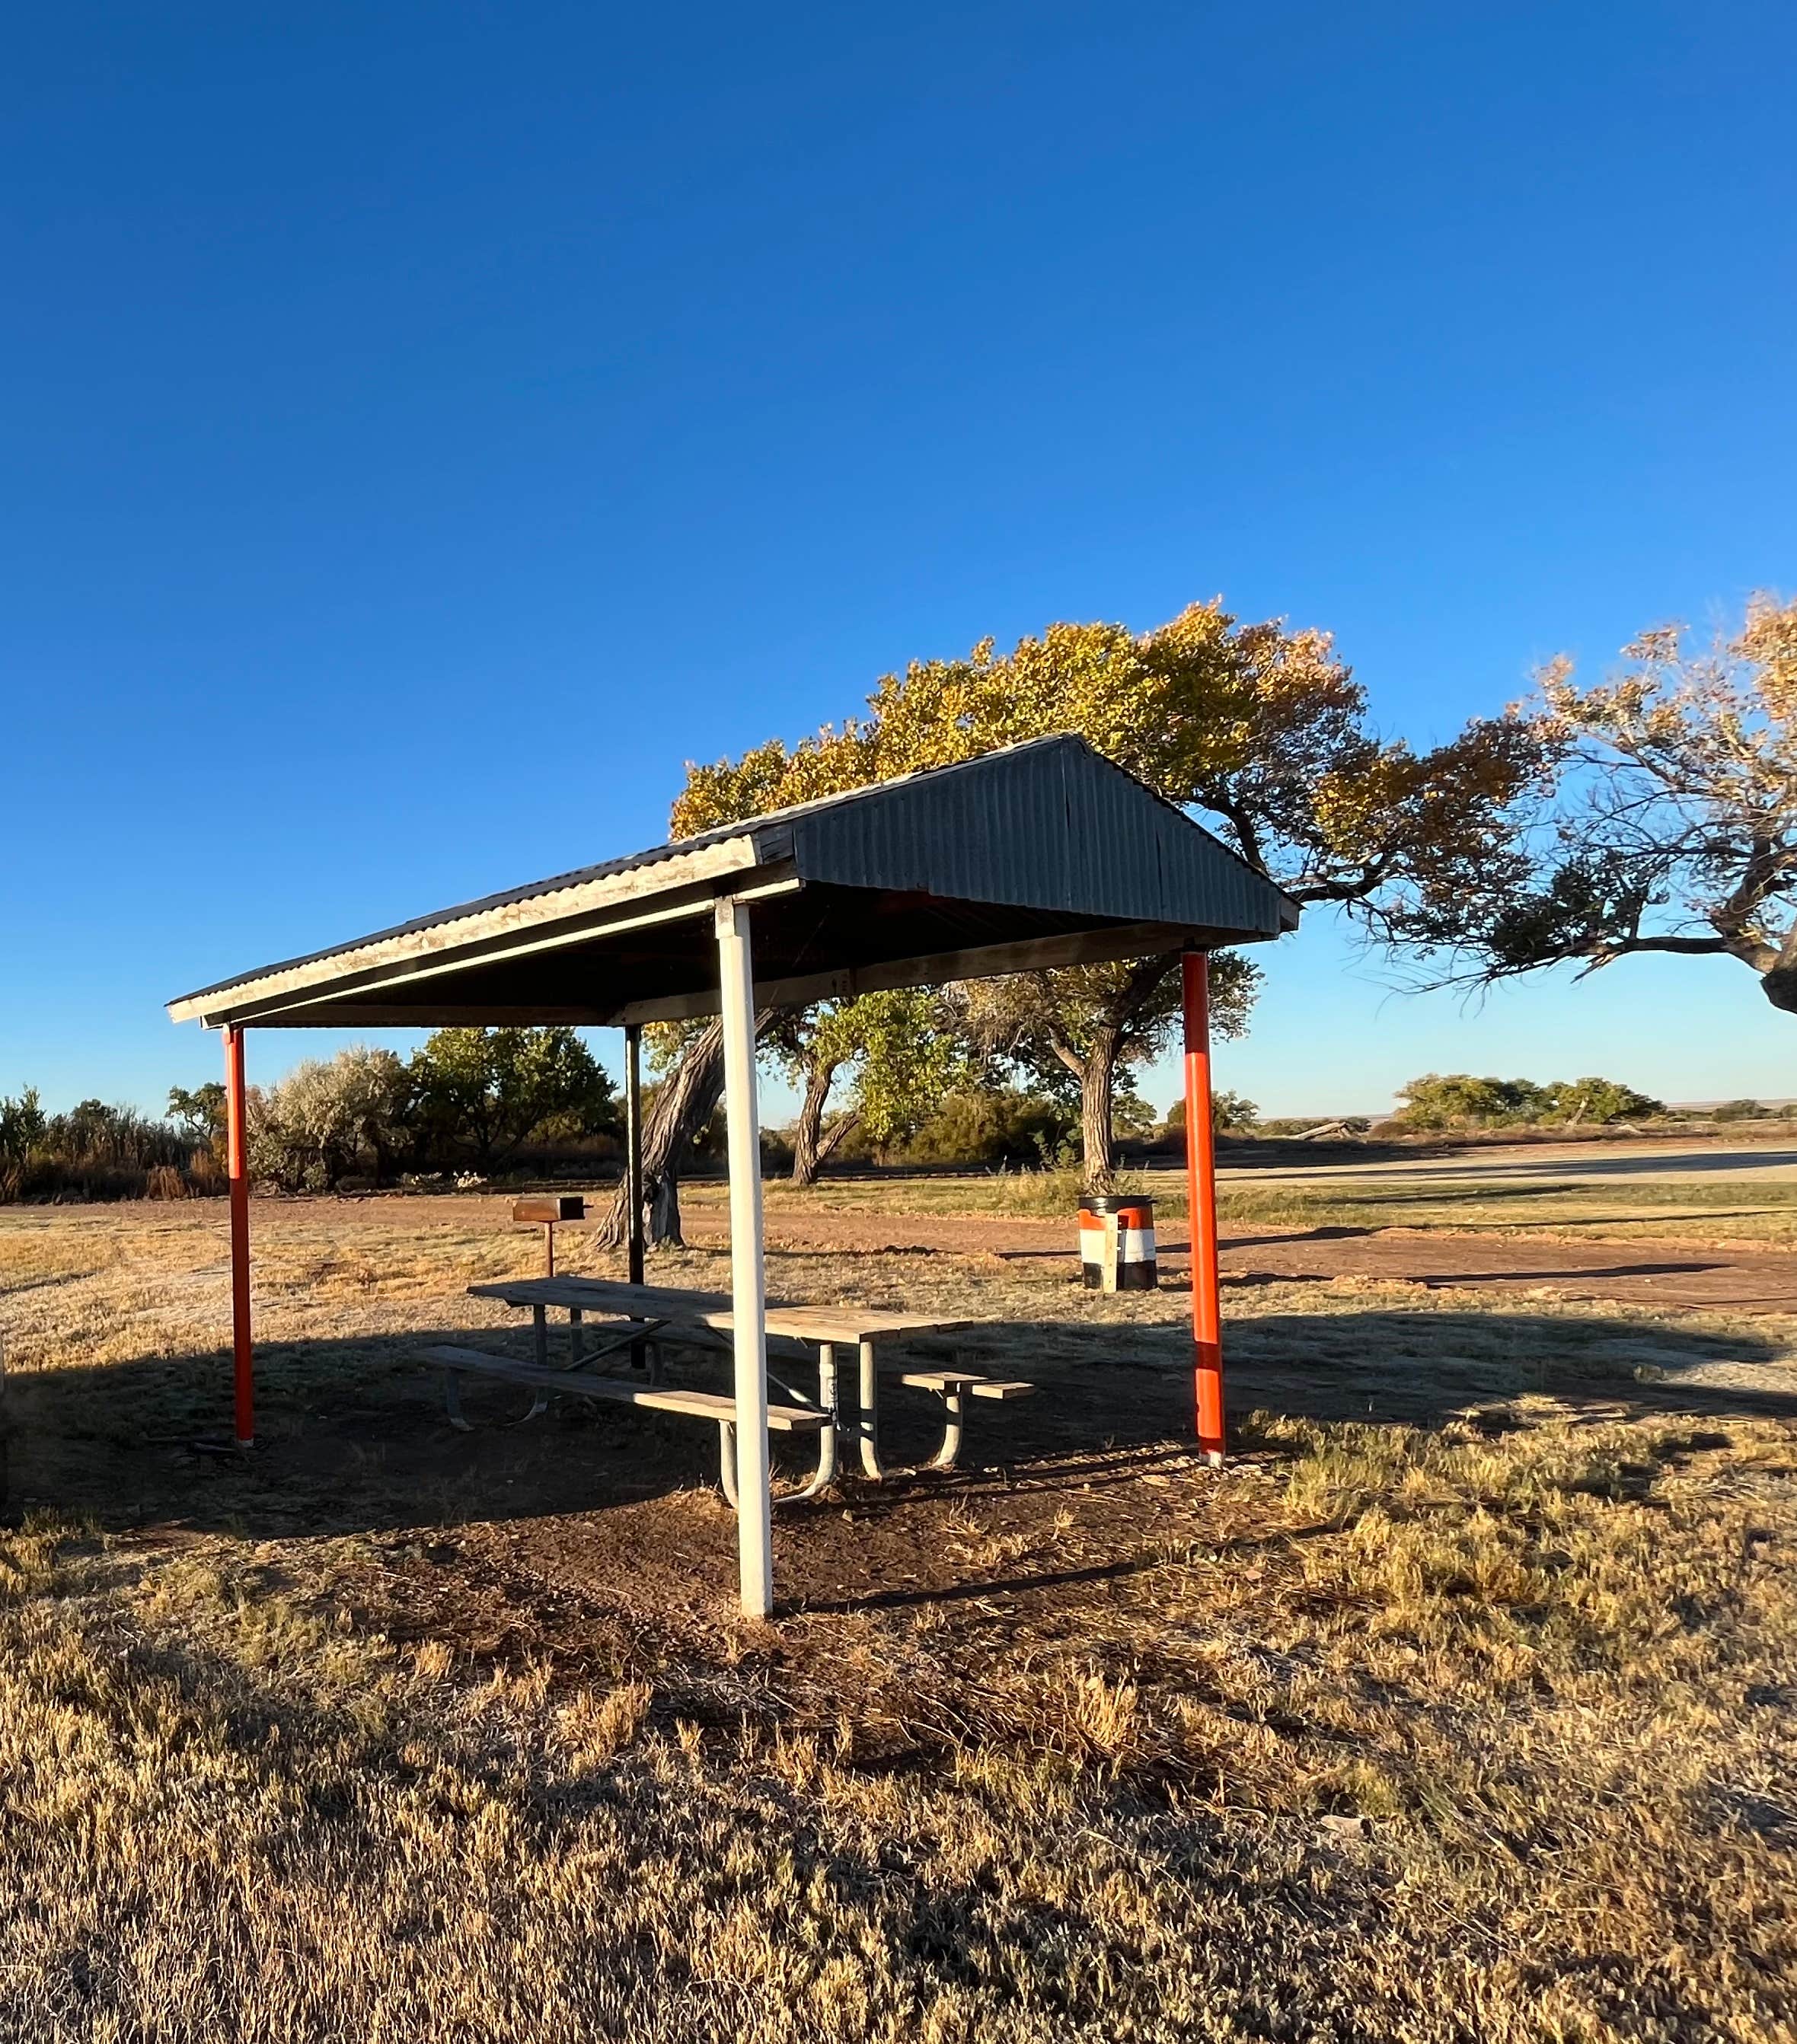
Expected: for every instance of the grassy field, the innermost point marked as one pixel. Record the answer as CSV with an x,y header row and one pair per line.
x,y
1460,1708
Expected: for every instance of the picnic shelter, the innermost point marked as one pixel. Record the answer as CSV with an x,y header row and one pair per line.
x,y
1036,855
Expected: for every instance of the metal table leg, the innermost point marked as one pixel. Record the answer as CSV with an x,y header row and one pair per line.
x,y
727,1460
870,1415
827,1397
539,1335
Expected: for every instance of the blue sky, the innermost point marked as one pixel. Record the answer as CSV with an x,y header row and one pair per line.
x,y
424,428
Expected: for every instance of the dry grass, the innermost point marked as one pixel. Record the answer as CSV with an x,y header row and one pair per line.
x,y
1460,1709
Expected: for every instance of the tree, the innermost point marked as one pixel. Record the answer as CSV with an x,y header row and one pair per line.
x,y
903,1050
1091,1022
493,1089
1457,1099
200,1114
1262,729
811,1046
1674,830
677,1114
1598,1102
1231,1113
23,1126
312,1129
1132,1118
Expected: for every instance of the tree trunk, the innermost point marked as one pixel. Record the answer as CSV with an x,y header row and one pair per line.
x,y
1097,1078
838,1128
685,1101
807,1133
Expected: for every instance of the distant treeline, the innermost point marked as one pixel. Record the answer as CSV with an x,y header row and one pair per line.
x,y
474,1104
470,1101
479,1104
97,1152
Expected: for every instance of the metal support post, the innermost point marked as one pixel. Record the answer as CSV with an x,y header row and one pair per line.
x,y
633,1168
755,1526
633,1147
236,1166
1201,1204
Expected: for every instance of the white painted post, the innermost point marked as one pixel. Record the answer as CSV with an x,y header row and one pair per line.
x,y
749,1290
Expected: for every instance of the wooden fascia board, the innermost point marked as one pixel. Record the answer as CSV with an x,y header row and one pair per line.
x,y
391,1015
280,999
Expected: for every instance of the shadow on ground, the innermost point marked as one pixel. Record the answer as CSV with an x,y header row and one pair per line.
x,y
352,1434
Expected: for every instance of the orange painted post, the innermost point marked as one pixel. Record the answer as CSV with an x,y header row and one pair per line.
x,y
1201,1204
237,1170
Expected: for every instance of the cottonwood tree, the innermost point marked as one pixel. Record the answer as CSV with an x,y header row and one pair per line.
x,y
492,1089
1093,1023
1261,730
691,1056
1674,830
901,1049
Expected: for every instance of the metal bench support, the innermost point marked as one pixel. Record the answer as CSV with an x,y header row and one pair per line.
x,y
452,1404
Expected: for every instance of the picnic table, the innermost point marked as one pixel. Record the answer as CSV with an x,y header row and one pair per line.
x,y
639,1317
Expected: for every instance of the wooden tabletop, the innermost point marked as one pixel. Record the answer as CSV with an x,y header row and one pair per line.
x,y
709,1309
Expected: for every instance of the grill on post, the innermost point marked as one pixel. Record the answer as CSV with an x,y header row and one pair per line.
x,y
548,1213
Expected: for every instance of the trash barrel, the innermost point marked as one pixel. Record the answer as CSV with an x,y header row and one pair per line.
x,y
1117,1241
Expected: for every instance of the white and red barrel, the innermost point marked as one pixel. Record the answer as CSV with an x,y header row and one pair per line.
x,y
1116,1243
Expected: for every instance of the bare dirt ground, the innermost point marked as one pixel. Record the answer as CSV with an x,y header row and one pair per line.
x,y
1662,1272
1460,1709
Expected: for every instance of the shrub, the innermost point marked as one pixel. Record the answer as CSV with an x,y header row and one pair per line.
x,y
1231,1114
1457,1099
92,1152
325,1122
998,1126
1738,1110
1598,1101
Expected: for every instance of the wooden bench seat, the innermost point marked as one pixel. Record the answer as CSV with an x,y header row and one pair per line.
x,y
848,1325
969,1380
455,1361
700,1404
650,1314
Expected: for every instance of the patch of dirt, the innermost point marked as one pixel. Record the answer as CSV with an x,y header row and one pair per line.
x,y
1674,1275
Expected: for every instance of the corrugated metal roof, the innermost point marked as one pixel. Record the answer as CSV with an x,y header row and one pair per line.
x,y
1048,826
